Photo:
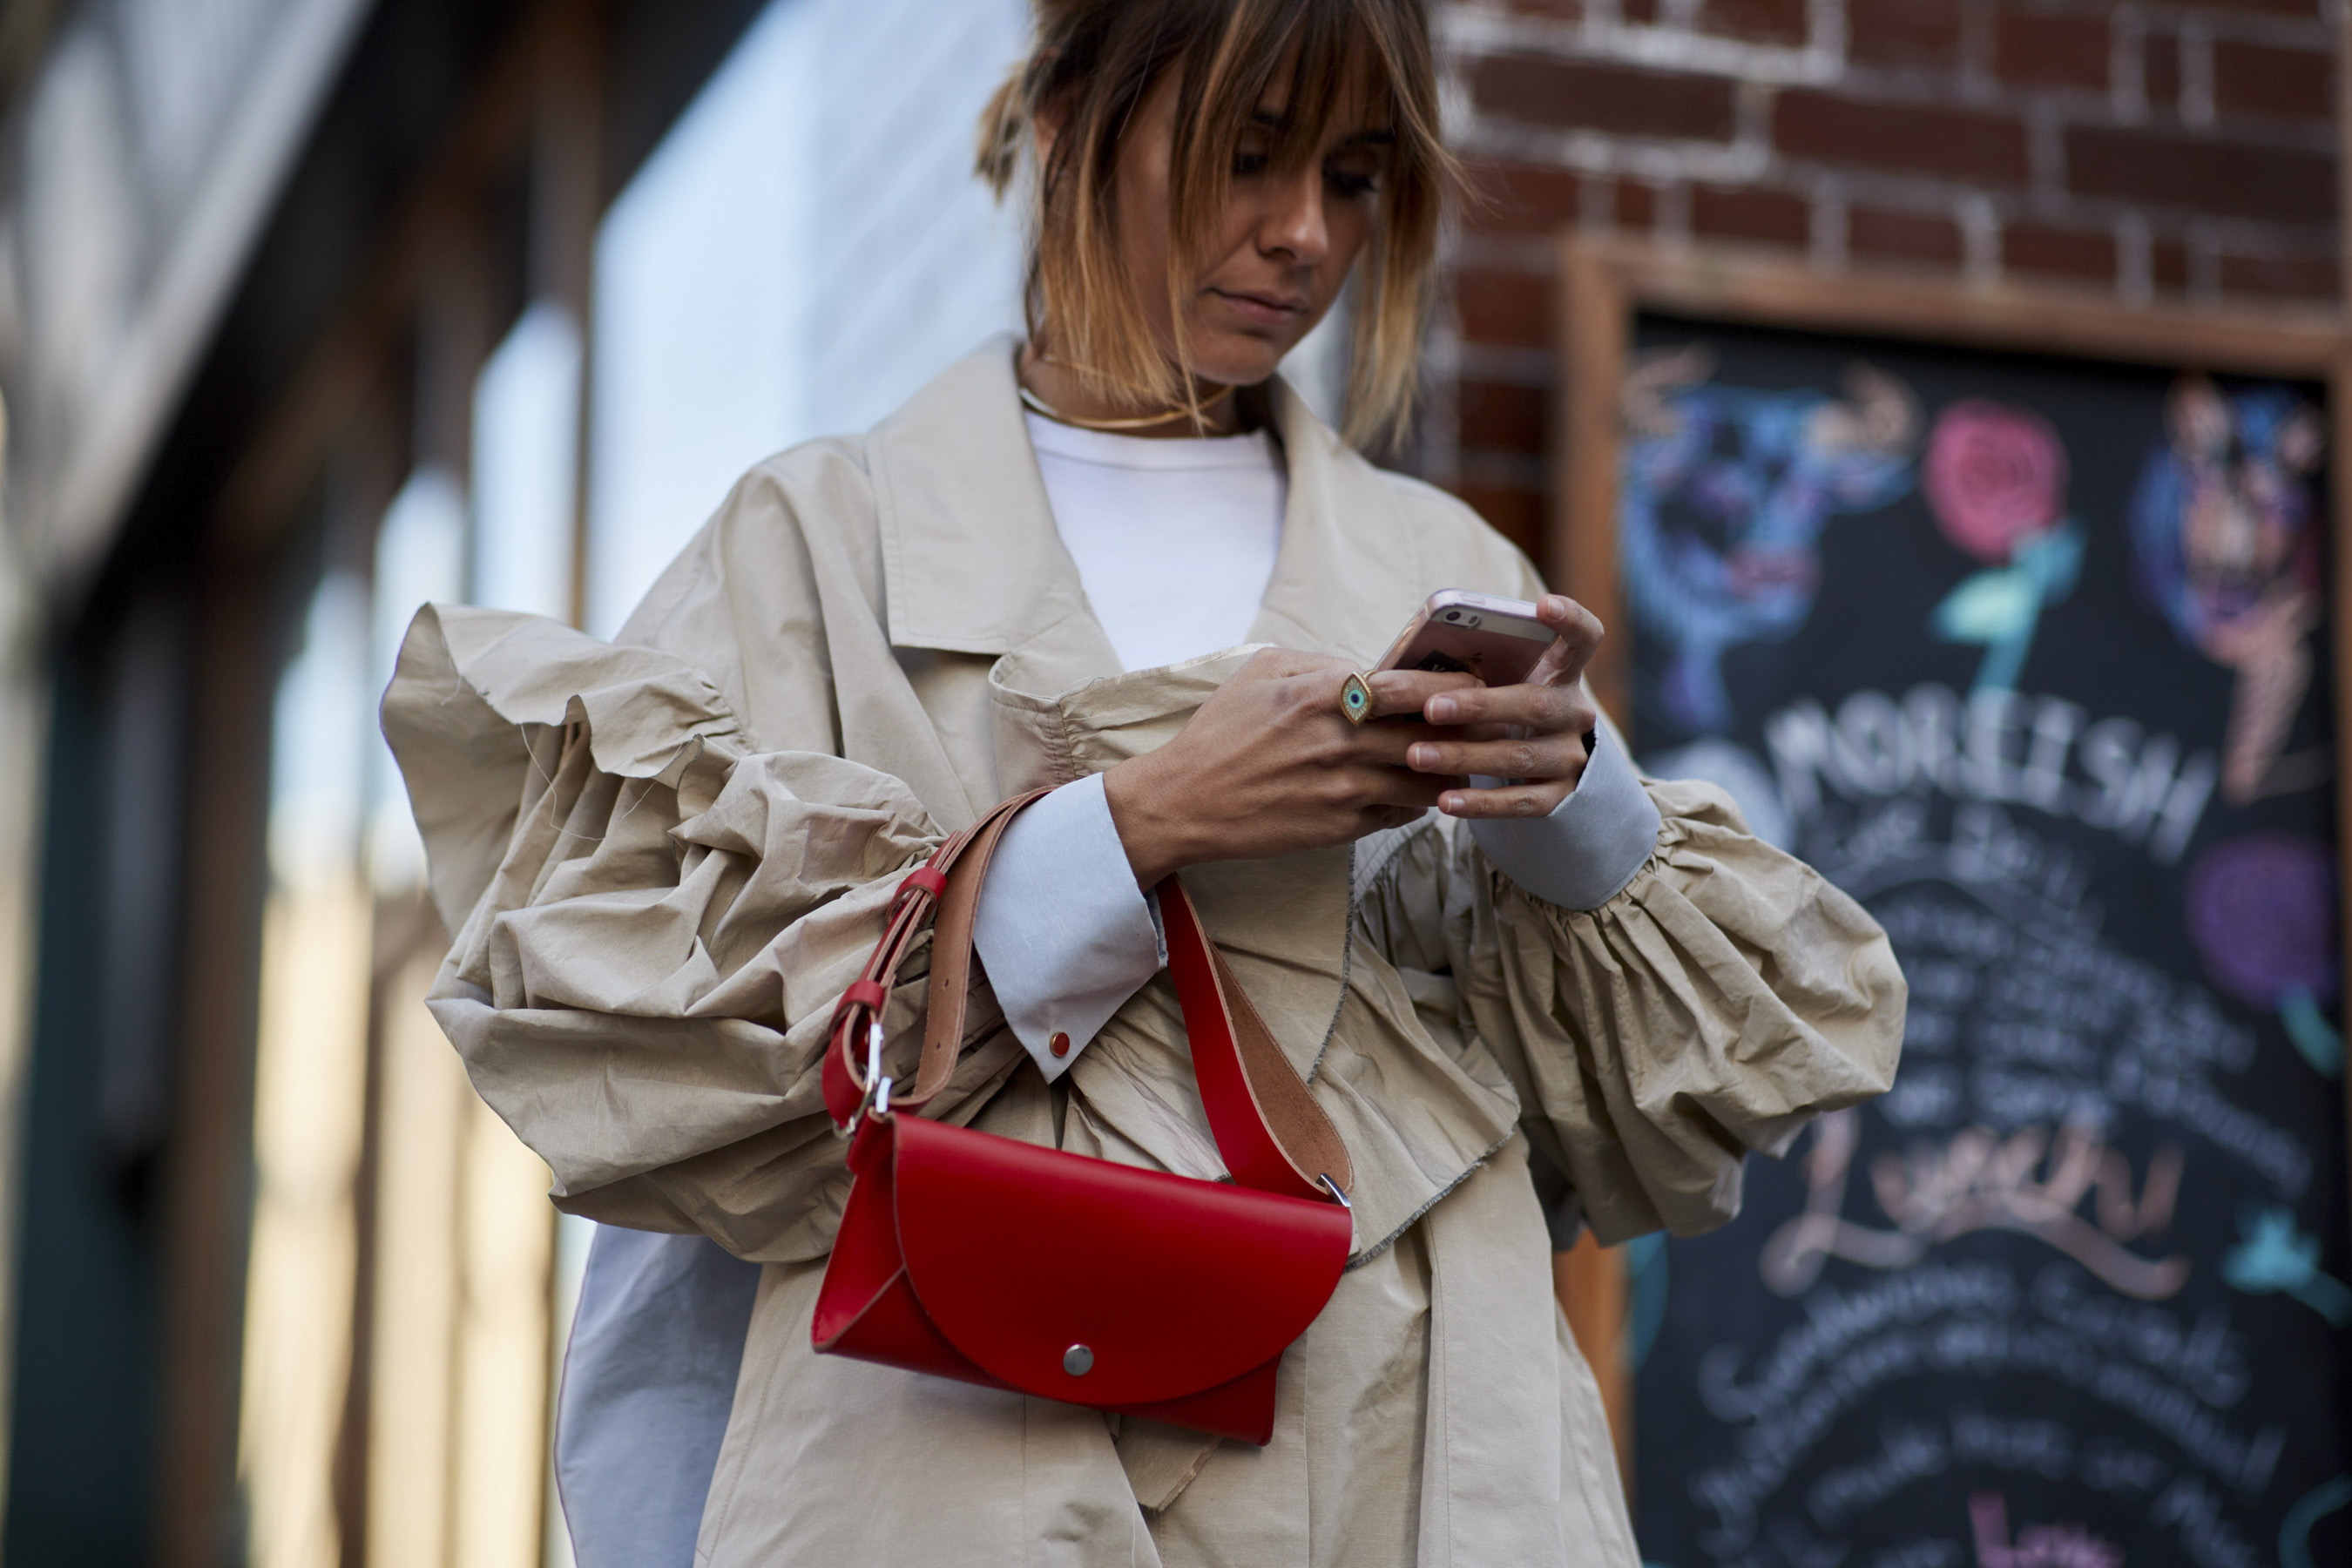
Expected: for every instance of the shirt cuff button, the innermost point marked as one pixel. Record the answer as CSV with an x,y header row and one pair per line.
x,y
1059,1045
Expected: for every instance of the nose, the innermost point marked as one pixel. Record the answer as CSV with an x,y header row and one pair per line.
x,y
1293,226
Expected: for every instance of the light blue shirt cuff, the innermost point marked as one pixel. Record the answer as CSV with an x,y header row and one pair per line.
x,y
1587,849
1063,930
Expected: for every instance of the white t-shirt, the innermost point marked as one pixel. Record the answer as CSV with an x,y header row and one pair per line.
x,y
1175,540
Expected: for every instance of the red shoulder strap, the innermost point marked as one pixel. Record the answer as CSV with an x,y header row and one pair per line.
x,y
1272,1133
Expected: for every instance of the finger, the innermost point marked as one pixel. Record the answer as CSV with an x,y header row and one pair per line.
x,y
1577,637
1390,745
1399,691
1512,800
1548,757
1398,787
1552,710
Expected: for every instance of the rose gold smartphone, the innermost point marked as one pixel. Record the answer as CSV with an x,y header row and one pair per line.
x,y
1496,639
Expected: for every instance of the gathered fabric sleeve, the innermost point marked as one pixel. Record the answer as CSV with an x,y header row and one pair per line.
x,y
653,919
1717,1003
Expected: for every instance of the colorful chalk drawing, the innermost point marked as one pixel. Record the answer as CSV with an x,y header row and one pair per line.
x,y
2227,534
2049,1302
1724,494
2277,1255
2262,909
1995,477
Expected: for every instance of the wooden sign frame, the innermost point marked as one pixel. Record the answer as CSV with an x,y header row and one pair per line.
x,y
1604,284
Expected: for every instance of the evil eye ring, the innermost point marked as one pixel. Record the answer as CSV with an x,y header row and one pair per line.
x,y
1355,699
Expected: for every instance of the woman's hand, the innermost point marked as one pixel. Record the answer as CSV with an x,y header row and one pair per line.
x,y
1536,736
1268,765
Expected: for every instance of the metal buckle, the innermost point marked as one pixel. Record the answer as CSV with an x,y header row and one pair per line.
x,y
876,1101
1333,1188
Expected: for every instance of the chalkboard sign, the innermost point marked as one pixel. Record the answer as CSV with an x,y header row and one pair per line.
x,y
2032,657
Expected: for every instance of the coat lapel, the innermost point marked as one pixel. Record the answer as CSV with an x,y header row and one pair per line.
x,y
971,560
972,563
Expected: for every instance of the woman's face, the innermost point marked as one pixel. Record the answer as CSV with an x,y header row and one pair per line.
x,y
1279,254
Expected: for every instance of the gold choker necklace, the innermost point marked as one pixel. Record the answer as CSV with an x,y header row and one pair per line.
x,y
1140,422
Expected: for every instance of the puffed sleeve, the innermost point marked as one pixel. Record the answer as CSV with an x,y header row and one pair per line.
x,y
653,920
1721,999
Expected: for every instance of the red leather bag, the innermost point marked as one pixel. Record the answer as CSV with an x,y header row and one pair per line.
x,y
997,1262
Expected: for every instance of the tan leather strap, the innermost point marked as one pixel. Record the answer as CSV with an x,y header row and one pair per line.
x,y
856,1016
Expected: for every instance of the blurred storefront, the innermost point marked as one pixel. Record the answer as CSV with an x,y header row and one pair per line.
x,y
319,310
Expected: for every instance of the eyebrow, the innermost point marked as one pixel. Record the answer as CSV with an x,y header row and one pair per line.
x,y
1273,122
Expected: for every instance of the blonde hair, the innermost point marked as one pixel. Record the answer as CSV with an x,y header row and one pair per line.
x,y
1093,62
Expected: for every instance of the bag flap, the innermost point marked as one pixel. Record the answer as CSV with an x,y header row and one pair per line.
x,y
1022,1254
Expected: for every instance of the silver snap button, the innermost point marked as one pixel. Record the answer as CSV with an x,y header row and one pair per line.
x,y
1077,1360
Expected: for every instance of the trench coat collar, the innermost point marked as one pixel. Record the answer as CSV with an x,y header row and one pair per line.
x,y
971,561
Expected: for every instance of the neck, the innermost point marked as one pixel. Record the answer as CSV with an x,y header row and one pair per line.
x,y
1062,389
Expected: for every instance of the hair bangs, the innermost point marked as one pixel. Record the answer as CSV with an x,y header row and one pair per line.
x,y
1094,62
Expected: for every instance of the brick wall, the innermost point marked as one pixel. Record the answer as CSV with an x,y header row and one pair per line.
x,y
2183,152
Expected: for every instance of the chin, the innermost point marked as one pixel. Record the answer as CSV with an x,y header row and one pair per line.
x,y
1245,363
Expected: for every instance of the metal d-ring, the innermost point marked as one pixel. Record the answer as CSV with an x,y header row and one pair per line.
x,y
876,1098
1333,1188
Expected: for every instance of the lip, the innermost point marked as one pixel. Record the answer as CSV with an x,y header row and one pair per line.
x,y
1264,310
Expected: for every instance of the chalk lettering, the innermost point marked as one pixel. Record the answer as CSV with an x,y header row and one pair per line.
x,y
1835,1321
2209,1359
1797,736
1782,1436
2056,722
2186,1097
2044,1448
1928,1554
1999,747
2112,1468
2028,1183
2038,1545
1906,1453
2211,1540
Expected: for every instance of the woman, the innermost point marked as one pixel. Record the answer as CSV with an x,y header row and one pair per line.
x,y
666,858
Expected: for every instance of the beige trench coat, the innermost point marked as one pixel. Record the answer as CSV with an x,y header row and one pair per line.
x,y
665,858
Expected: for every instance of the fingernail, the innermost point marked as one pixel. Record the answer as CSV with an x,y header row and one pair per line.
x,y
1450,805
1439,711
1422,756
1554,605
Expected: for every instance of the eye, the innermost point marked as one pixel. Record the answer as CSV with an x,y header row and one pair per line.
x,y
1356,171
1246,164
